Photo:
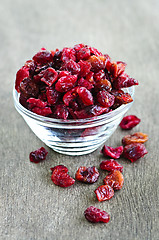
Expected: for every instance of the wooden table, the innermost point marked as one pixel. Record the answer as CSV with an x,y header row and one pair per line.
x,y
32,207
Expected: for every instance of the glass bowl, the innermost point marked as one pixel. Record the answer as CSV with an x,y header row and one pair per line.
x,y
73,137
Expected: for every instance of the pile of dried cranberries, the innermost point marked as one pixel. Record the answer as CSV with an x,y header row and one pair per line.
x,y
73,83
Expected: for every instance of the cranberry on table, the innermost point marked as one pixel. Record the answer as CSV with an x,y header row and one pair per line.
x,y
104,192
94,215
129,122
38,155
60,176
111,165
134,151
137,137
87,175
115,180
112,152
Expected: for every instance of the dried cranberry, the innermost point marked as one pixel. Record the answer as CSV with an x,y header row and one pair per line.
x,y
97,63
67,54
21,74
129,122
137,137
87,175
121,97
49,76
112,152
65,83
124,81
83,54
85,68
94,51
53,96
77,47
70,96
90,111
84,83
43,57
71,66
93,214
28,88
103,84
134,151
38,155
63,73
42,111
104,192
105,98
33,102
57,62
114,180
85,96
111,165
117,68
60,176
61,111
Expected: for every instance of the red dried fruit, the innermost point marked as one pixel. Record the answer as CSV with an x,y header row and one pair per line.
x,y
63,73
60,176
53,96
65,83
121,97
21,74
61,111
105,98
70,96
33,102
87,175
103,84
104,192
84,83
43,57
117,68
134,151
83,54
112,152
77,47
90,111
94,51
114,180
42,111
38,155
97,63
124,81
28,88
85,68
67,54
93,214
111,165
137,137
129,122
49,76
71,66
85,95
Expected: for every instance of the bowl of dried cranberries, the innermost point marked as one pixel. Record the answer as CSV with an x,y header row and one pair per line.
x,y
73,99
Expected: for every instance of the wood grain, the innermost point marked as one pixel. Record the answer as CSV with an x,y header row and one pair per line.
x,y
31,206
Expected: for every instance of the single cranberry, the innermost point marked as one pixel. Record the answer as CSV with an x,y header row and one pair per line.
x,y
38,155
134,151
129,122
65,83
43,57
104,192
94,215
112,152
105,98
111,165
137,137
21,74
60,176
49,76
87,175
115,180
85,95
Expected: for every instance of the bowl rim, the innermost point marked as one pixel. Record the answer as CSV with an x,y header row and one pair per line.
x,y
106,116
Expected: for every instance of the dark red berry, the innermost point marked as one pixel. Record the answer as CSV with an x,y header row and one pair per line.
x,y
60,176
21,74
53,96
49,76
111,165
115,180
61,111
38,155
129,122
43,57
85,96
112,152
94,215
134,151
104,192
87,175
105,99
65,83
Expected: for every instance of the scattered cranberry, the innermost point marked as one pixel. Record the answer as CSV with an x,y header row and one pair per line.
x,y
60,176
38,155
111,165
87,175
129,122
93,214
112,152
104,192
134,151
114,180
137,137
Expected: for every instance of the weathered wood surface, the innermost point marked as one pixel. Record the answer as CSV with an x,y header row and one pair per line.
x,y
32,207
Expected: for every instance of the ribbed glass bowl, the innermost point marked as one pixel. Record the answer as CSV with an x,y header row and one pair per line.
x,y
73,137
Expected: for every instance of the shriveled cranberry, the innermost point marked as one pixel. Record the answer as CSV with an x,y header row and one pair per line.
x,y
77,47
85,68
115,180
112,152
99,75
117,68
67,54
38,155
65,83
57,61
89,77
105,98
70,96
60,176
104,192
87,175
49,76
21,74
84,83
71,66
90,111
85,96
33,102
137,137
134,151
28,88
121,97
111,165
43,57
42,111
103,84
83,54
94,51
63,73
97,63
124,81
129,122
53,96
94,215
23,101
61,111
